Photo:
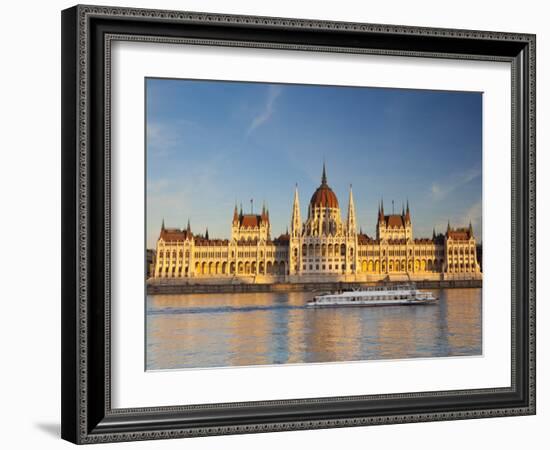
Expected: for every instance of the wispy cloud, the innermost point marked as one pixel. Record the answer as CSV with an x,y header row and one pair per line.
x,y
165,137
440,190
273,93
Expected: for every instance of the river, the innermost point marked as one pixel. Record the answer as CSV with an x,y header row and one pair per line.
x,y
227,330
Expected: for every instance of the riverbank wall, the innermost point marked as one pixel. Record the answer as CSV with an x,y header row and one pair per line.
x,y
156,287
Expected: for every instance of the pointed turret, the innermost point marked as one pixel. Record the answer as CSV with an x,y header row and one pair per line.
x,y
206,235
471,230
448,226
162,226
296,223
235,214
433,234
407,213
381,211
351,213
188,225
324,176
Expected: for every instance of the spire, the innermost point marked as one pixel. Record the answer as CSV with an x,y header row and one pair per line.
x,y
407,213
471,229
402,209
188,225
433,234
162,226
351,213
206,234
381,211
296,223
324,176
241,211
448,226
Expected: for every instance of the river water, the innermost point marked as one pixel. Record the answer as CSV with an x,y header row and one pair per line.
x,y
225,330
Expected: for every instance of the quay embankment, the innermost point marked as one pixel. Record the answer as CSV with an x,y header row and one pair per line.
x,y
182,287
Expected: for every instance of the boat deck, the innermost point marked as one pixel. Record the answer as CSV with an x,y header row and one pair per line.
x,y
378,296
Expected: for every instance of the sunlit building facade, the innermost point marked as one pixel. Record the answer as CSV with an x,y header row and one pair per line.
x,y
323,247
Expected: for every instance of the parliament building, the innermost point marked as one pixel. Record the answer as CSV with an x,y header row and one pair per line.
x,y
322,248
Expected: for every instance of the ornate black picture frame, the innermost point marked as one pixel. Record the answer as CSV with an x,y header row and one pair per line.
x,y
87,33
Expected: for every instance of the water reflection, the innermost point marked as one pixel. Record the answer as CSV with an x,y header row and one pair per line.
x,y
216,330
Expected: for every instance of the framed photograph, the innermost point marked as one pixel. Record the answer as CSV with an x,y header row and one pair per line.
x,y
277,224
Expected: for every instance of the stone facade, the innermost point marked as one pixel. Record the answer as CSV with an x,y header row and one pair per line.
x,y
322,248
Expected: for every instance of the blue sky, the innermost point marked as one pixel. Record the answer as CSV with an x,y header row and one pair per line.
x,y
211,144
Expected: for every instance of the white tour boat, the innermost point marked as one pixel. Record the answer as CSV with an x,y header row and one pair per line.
x,y
404,294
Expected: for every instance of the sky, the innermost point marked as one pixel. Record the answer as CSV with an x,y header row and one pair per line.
x,y
213,144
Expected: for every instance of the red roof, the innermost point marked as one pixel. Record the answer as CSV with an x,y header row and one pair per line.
x,y
459,235
252,220
174,234
364,239
394,221
282,238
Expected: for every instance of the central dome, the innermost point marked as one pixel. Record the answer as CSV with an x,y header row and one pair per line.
x,y
324,196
